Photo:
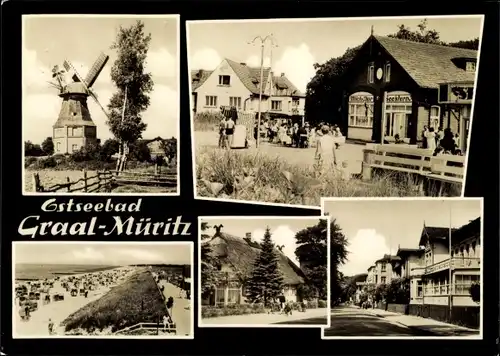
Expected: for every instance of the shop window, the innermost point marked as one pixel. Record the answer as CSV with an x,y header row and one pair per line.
x,y
463,283
435,120
420,291
387,72
371,73
361,115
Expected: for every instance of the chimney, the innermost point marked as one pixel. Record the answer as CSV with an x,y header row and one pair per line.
x,y
282,74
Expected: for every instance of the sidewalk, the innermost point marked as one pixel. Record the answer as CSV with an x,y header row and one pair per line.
x,y
265,319
427,325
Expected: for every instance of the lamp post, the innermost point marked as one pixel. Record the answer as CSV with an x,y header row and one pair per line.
x,y
259,112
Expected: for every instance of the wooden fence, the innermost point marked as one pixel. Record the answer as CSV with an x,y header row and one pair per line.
x,y
107,180
441,169
148,326
86,184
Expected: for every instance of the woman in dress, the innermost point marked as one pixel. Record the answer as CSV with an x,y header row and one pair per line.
x,y
431,139
326,159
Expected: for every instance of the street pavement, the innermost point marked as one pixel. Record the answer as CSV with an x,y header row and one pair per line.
x,y
309,317
353,321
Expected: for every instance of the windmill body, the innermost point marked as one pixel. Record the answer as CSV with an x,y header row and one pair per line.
x,y
74,127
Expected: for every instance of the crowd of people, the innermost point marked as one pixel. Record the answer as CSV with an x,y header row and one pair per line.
x,y
441,141
296,135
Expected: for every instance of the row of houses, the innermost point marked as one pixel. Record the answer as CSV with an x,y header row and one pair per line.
x,y
440,277
392,88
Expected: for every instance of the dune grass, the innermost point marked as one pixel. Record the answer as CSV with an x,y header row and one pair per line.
x,y
257,177
134,301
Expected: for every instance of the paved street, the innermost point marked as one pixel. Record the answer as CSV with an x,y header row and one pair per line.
x,y
349,321
352,321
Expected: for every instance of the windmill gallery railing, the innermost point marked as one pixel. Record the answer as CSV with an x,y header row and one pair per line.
x,y
107,180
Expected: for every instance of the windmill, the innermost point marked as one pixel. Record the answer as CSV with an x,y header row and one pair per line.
x,y
74,127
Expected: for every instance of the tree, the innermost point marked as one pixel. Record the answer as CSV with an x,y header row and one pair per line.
x,y
48,146
109,148
140,151
169,146
423,34
398,291
312,253
266,280
338,256
324,91
210,277
32,150
475,292
127,73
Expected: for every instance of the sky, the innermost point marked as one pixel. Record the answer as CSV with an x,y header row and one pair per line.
x,y
283,231
114,254
378,227
301,44
48,41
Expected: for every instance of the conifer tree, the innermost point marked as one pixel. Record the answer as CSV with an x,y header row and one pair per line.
x,y
266,280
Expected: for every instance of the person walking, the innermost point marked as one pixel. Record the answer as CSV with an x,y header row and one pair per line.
x,y
222,133
229,132
51,327
326,159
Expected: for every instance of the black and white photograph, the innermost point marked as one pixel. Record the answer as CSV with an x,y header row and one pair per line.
x,y
406,268
103,289
286,111
263,271
100,104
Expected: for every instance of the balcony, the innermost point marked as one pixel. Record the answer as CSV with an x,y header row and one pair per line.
x,y
417,271
456,263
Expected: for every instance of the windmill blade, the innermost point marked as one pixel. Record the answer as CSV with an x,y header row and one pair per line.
x,y
67,64
96,69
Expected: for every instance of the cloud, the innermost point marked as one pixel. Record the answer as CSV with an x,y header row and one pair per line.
x,y
254,61
206,58
87,254
298,65
161,64
41,104
138,255
282,235
365,248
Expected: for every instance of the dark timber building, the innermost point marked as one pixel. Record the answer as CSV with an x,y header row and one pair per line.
x,y
396,87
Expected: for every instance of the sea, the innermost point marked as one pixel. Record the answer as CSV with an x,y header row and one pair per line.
x,y
24,271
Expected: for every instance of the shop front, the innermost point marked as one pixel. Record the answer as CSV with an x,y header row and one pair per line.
x,y
397,111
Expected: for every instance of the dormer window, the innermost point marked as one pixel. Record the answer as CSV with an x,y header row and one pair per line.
x,y
470,66
224,80
371,73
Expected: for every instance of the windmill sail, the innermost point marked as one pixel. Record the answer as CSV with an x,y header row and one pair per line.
x,y
96,69
85,85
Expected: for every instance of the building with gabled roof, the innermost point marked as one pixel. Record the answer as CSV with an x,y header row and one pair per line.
x,y
233,84
393,88
236,257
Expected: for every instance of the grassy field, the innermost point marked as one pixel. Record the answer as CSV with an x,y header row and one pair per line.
x,y
134,301
38,271
257,177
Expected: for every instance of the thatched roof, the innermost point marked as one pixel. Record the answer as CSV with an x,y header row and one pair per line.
x,y
240,255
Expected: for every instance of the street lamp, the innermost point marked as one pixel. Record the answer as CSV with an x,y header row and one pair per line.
x,y
262,44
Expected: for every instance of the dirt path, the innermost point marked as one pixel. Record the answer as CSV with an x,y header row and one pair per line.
x,y
181,314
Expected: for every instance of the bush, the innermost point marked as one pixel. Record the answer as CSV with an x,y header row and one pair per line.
x,y
140,152
91,152
208,311
207,121
322,304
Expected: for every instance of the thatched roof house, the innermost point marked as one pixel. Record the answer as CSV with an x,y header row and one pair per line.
x,y
239,255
